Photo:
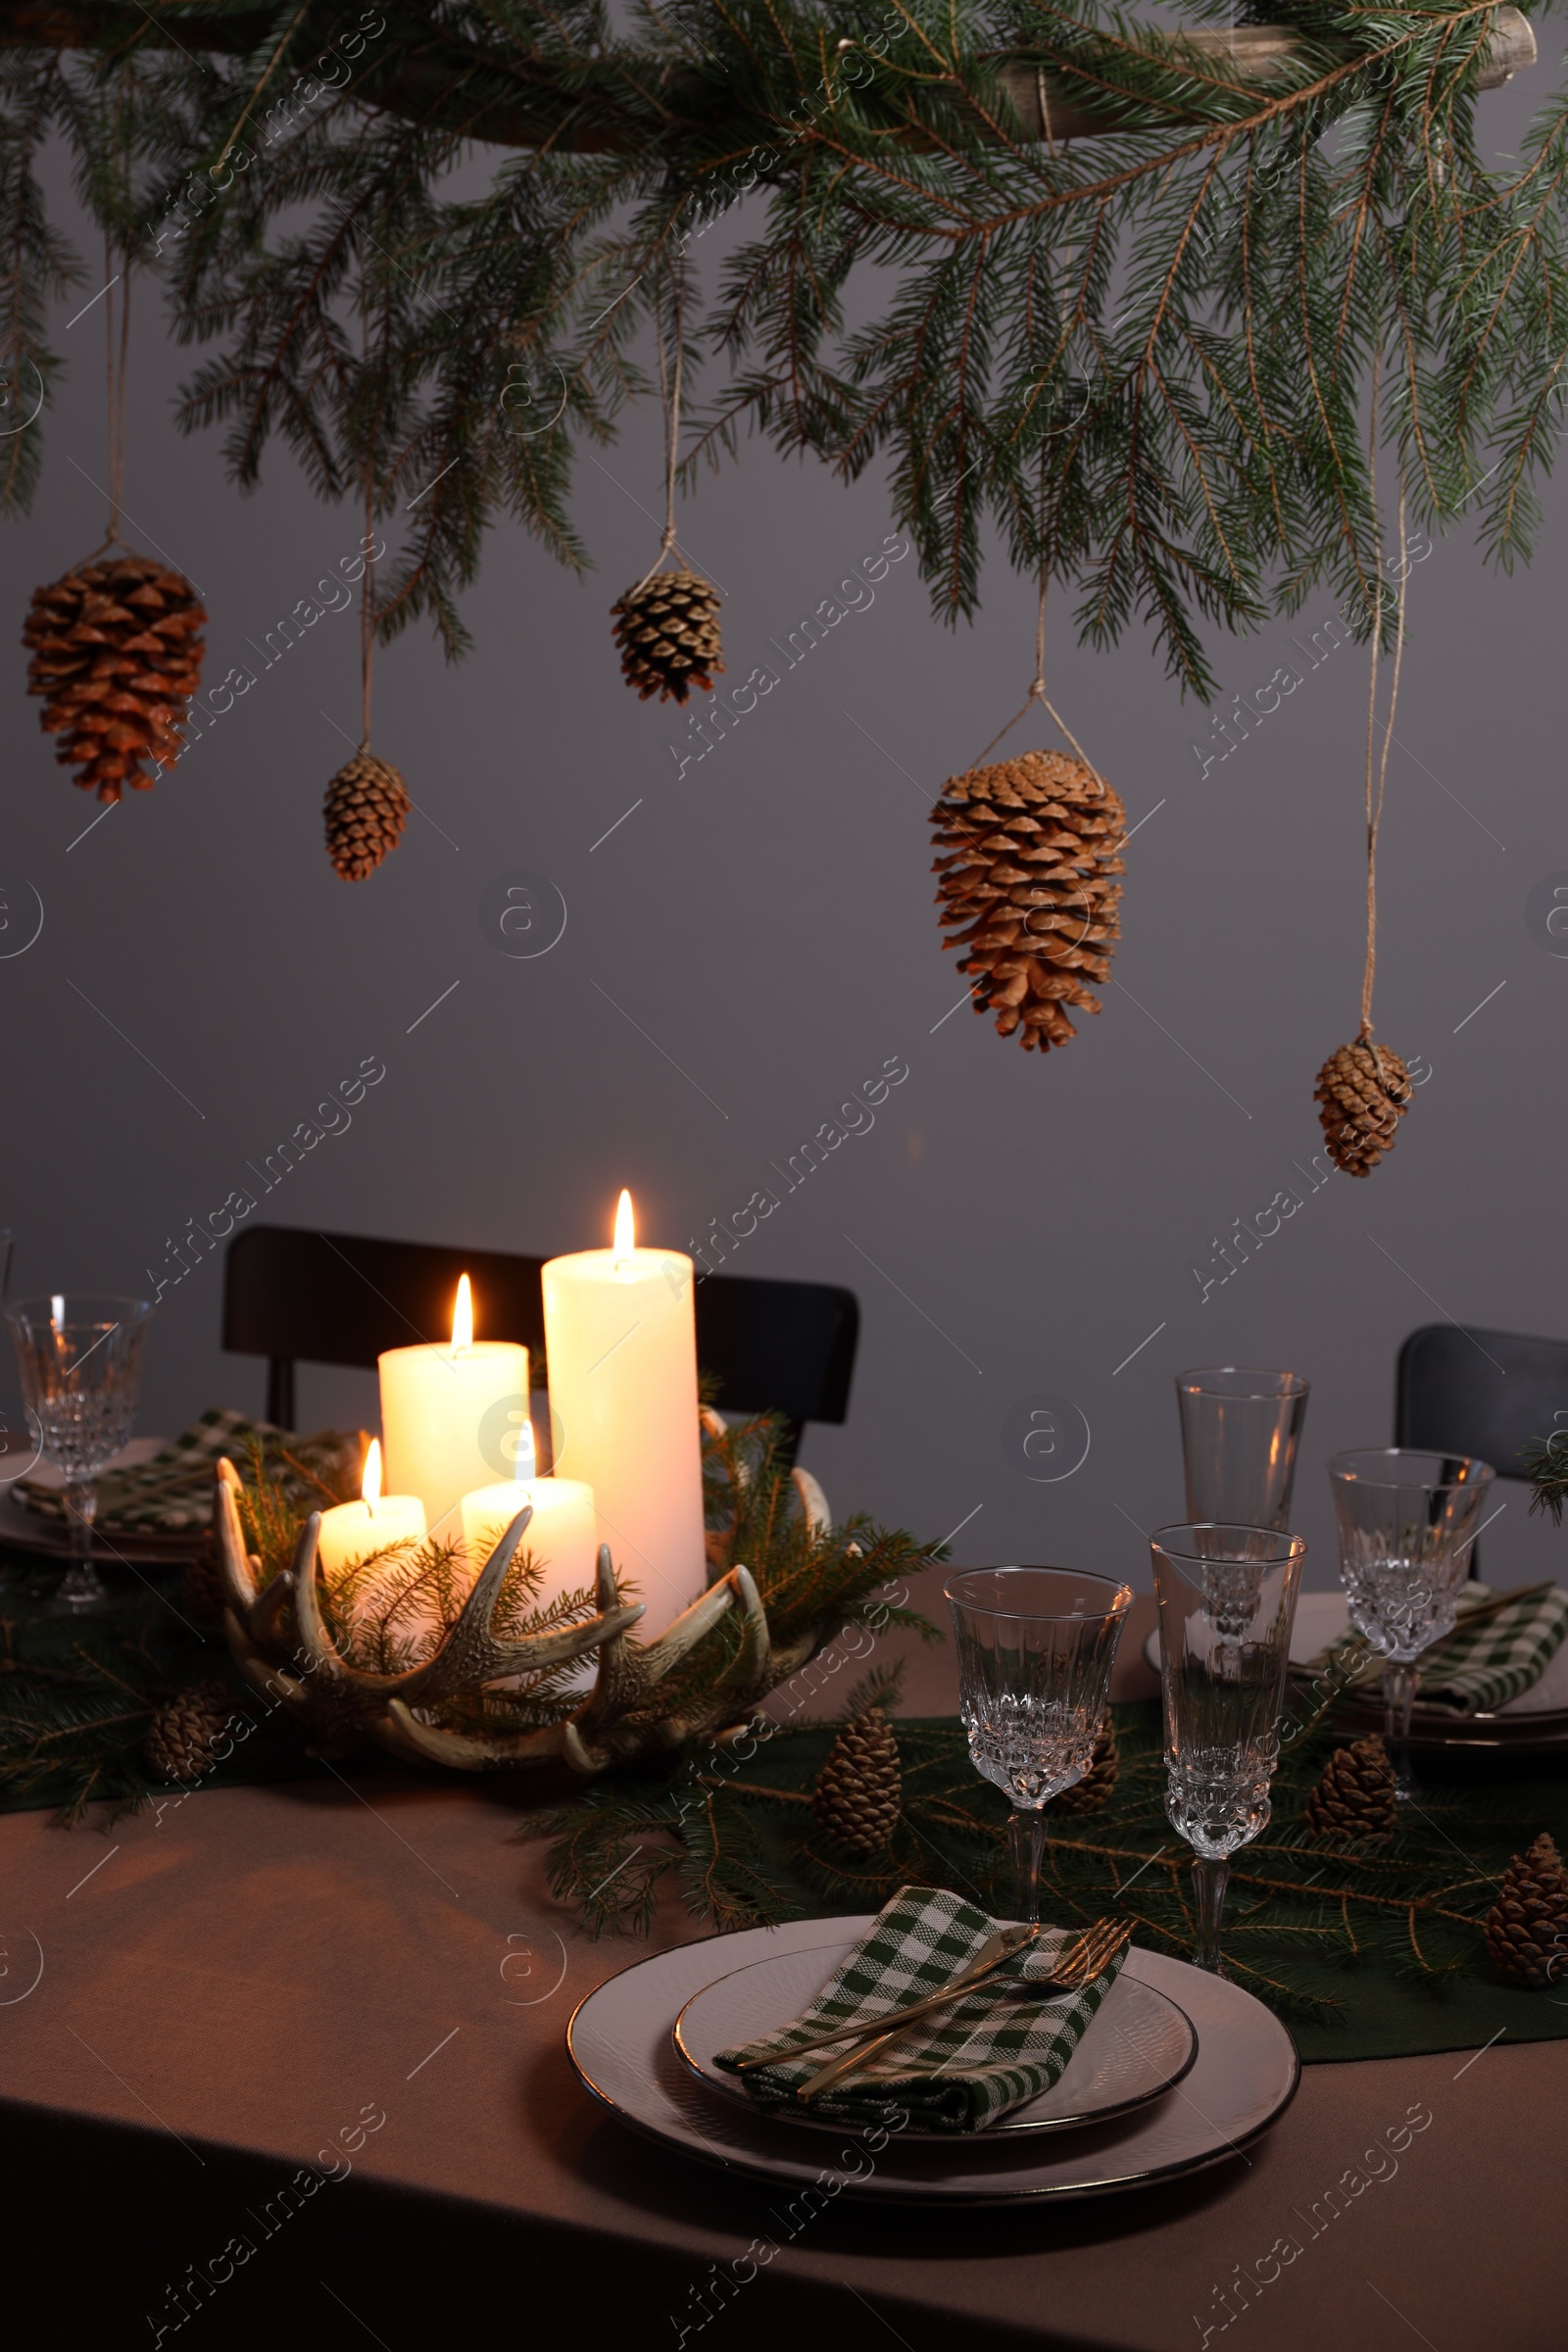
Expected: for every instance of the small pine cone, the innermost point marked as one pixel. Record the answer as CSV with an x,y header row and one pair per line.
x,y
1365,1091
202,1588
367,809
180,1740
1094,1790
116,651
1527,1927
667,633
1030,848
860,1788
1354,1796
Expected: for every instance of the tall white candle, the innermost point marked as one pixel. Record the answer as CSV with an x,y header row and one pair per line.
x,y
620,1333
451,1417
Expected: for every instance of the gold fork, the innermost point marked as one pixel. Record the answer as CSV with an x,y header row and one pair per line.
x,y
1078,1966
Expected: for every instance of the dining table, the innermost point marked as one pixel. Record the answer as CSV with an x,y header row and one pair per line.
x,y
286,2065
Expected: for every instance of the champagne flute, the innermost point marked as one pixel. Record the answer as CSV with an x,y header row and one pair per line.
x,y
79,1357
1036,1647
1227,1603
1241,1431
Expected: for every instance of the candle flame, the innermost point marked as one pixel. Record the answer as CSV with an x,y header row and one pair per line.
x,y
625,1229
462,1317
371,1481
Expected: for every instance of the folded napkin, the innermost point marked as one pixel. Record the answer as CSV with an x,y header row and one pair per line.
x,y
957,2071
175,1490
1476,1672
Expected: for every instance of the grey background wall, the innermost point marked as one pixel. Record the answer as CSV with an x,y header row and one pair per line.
x,y
758,937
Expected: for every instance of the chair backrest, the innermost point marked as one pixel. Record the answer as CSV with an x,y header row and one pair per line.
x,y
1481,1392
341,1297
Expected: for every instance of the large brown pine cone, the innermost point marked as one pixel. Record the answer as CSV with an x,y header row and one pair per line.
x,y
1094,1790
116,649
1031,846
861,1788
1365,1091
1354,1796
1527,1927
667,633
367,809
180,1739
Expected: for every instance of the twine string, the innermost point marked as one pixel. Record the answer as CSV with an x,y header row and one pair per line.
x,y
670,384
1037,694
368,588
1374,802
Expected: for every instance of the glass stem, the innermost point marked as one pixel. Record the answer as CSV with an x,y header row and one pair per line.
x,y
83,1586
1209,1902
1398,1697
1028,1835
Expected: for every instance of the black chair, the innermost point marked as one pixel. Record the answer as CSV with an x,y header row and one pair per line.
x,y
341,1298
1483,1392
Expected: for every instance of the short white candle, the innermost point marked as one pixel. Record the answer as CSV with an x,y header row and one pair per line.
x,y
621,1331
563,1535
352,1531
451,1417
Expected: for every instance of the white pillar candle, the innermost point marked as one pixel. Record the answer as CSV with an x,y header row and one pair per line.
x,y
563,1535
452,1418
352,1531
620,1334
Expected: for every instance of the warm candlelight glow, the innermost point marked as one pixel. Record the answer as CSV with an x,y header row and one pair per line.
x,y
625,1241
370,1480
463,1317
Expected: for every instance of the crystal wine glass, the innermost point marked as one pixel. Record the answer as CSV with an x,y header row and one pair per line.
x,y
1240,1433
1227,1603
1035,1653
1407,1525
80,1355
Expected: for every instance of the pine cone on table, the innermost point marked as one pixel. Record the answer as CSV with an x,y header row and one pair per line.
x,y
202,1586
1365,1091
367,809
180,1738
667,632
1030,848
1094,1790
1527,1927
116,649
1354,1796
860,1788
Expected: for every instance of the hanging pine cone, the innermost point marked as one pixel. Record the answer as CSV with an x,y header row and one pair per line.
x,y
1031,848
860,1788
1354,1796
1527,1927
367,809
1365,1091
180,1740
667,633
116,649
1094,1790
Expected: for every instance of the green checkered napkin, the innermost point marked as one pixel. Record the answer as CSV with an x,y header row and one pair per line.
x,y
957,2071
174,1491
1477,1672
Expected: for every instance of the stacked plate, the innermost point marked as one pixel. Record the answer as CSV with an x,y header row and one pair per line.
x,y
1179,2069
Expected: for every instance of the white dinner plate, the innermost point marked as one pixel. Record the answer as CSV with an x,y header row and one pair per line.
x,y
1321,1618
1136,2046
620,2040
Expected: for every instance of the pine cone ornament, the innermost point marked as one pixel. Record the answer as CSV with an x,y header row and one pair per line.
x,y
667,633
1527,1927
1094,1790
367,809
1355,1797
1365,1091
860,1788
180,1740
1030,848
117,649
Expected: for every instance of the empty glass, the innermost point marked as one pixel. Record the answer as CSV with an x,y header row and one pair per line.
x,y
1034,1653
1407,1524
1240,1433
79,1357
1227,1603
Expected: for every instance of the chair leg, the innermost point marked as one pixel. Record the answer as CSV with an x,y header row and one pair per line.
x,y
280,1392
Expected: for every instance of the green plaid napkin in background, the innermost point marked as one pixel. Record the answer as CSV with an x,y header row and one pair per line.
x,y
1477,1672
957,2071
174,1491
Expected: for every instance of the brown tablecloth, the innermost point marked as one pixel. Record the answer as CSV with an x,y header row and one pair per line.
x,y
238,1986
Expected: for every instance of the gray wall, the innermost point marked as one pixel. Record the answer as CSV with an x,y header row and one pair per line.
x,y
758,937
